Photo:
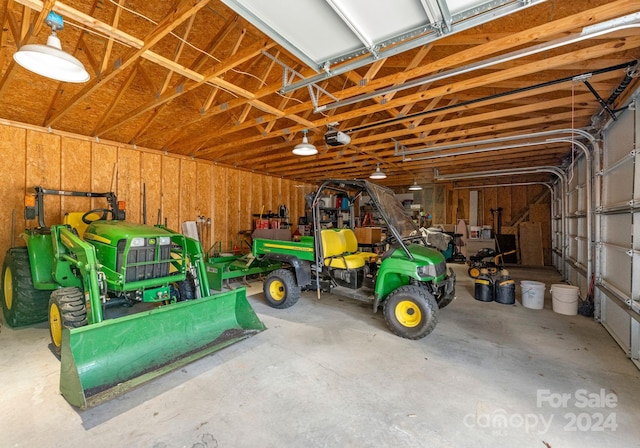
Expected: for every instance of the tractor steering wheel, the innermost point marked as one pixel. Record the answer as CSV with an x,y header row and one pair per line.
x,y
104,211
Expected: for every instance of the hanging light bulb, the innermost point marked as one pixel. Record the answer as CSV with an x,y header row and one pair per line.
x,y
305,148
377,174
50,60
415,186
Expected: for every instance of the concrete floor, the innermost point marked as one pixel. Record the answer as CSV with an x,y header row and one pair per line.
x,y
330,374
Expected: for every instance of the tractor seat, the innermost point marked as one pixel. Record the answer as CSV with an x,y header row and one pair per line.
x,y
74,219
335,253
352,246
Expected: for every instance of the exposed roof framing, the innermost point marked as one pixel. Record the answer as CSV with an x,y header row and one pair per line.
x,y
192,77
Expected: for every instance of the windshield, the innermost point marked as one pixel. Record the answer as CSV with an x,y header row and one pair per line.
x,y
394,210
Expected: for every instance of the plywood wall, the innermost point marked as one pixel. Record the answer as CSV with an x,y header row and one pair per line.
x,y
448,204
177,188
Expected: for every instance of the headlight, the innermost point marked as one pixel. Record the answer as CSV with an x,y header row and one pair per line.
x,y
137,242
164,240
426,271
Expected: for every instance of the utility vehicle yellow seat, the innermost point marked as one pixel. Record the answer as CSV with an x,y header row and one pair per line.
x,y
335,254
352,246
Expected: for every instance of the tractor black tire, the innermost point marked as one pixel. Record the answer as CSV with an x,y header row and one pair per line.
x,y
22,303
411,312
281,289
187,289
67,309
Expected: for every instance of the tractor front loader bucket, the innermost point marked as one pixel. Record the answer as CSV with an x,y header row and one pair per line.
x,y
101,361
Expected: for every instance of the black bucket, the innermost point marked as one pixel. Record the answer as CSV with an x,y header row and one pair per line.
x,y
506,291
484,289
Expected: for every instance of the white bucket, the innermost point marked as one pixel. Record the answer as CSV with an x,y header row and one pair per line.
x,y
532,294
565,299
474,232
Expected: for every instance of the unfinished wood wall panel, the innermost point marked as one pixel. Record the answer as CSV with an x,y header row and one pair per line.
x,y
43,168
189,191
104,169
439,213
541,213
233,207
177,188
490,198
256,195
171,192
12,190
246,183
129,182
75,174
151,183
530,248
267,188
203,200
220,212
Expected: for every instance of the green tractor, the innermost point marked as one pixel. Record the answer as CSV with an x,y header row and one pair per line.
x,y
410,279
125,302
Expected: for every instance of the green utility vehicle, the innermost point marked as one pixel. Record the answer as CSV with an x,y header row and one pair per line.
x,y
409,279
125,302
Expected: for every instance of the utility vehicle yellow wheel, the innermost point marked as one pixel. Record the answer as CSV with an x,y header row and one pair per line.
x,y
411,312
276,290
408,313
281,289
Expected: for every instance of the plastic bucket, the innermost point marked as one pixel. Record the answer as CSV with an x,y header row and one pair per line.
x,y
484,289
474,232
532,294
505,291
565,299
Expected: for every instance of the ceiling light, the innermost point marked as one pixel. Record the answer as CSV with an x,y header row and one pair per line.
x,y
377,174
415,186
50,60
305,148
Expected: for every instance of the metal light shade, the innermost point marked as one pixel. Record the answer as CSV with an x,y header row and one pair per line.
x,y
305,148
51,61
415,186
377,174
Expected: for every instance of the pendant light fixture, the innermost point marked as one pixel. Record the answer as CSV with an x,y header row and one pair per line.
x,y
377,174
305,148
415,186
50,60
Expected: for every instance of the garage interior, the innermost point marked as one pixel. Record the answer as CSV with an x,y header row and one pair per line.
x,y
518,119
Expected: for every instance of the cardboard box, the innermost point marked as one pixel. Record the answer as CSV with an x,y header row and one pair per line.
x,y
368,235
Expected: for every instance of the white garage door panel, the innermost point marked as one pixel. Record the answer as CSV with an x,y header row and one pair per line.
x,y
618,184
617,322
616,269
616,229
619,138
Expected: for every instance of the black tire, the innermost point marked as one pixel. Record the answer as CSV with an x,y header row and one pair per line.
x,y
187,289
281,289
22,304
66,310
411,312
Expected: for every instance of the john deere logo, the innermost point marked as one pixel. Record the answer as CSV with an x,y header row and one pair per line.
x,y
152,241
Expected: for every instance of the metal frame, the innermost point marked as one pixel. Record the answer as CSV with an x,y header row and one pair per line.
x,y
441,23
